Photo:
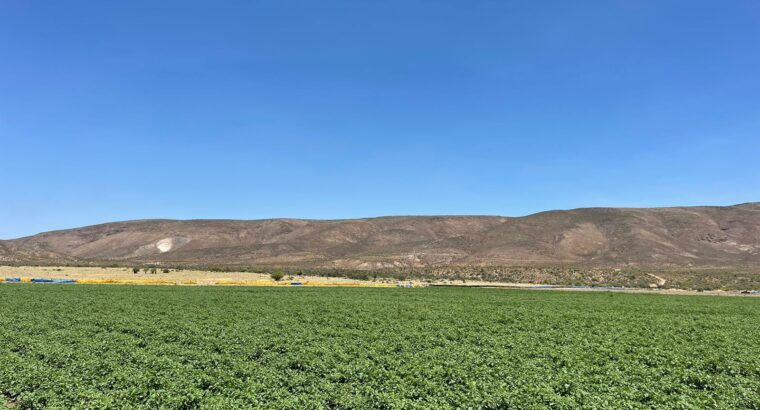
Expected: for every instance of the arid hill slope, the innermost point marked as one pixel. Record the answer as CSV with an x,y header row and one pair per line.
x,y
687,236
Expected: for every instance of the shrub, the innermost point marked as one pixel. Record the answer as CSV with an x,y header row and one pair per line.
x,y
135,270
277,276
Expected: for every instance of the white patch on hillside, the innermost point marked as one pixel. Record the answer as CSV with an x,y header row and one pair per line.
x,y
165,245
171,243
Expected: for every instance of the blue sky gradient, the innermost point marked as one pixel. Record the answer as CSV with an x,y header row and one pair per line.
x,y
340,109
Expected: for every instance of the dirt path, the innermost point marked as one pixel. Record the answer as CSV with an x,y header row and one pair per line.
x,y
125,276
194,277
173,276
660,281
560,288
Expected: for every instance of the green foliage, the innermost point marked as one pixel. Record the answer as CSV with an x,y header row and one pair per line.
x,y
165,270
277,275
135,270
219,347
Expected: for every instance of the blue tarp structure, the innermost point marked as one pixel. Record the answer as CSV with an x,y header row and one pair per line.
x,y
13,280
296,284
42,280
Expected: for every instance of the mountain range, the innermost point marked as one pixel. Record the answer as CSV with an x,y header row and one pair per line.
x,y
653,237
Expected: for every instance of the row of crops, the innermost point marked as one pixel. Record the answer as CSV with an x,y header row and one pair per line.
x,y
95,346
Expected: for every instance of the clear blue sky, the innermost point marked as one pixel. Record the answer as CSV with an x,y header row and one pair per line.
x,y
337,109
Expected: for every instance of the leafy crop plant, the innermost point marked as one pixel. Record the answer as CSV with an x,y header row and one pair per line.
x,y
90,346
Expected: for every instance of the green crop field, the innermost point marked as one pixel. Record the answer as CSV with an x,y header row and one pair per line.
x,y
214,347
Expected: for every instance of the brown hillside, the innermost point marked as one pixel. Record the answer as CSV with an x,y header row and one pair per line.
x,y
686,236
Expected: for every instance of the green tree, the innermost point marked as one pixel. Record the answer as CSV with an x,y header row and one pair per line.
x,y
277,276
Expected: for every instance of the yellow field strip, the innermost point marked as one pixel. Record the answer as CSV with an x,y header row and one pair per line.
x,y
222,283
127,281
